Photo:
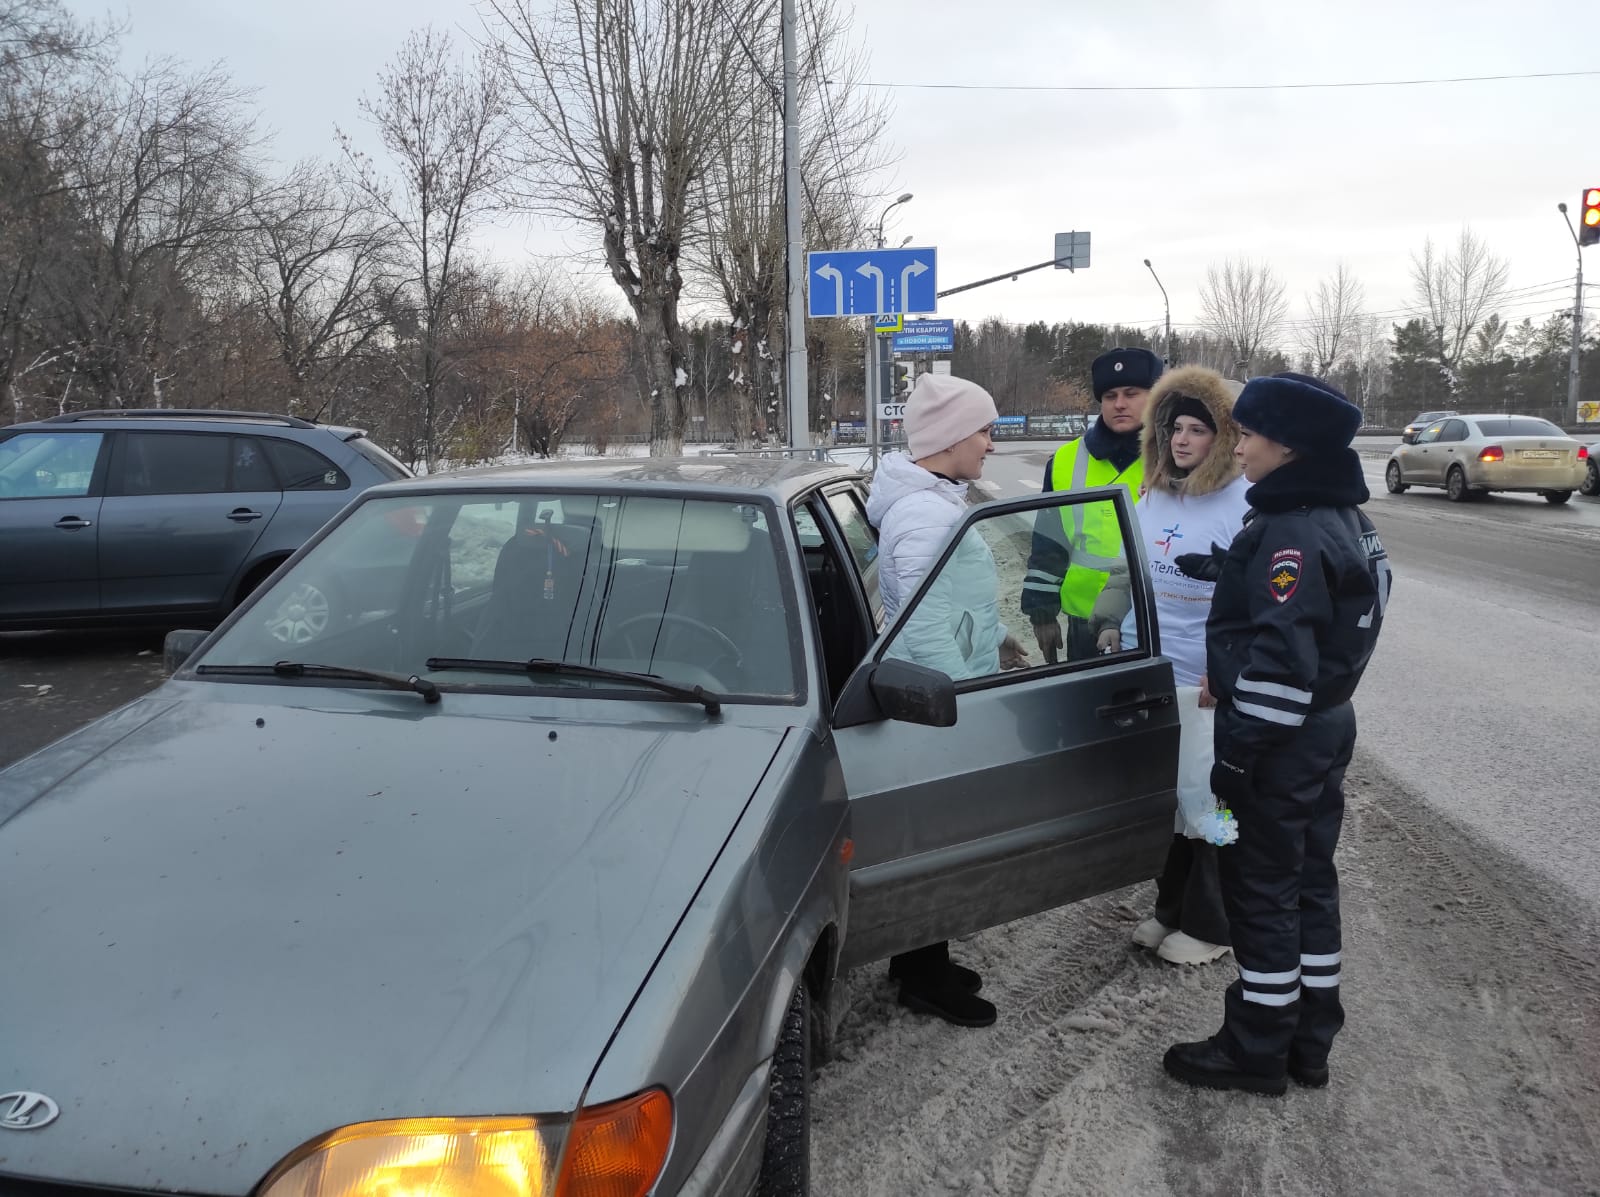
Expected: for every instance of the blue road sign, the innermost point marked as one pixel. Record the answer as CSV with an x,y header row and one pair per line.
x,y
872,282
926,336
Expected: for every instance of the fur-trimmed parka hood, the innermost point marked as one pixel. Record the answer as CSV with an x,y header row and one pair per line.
x,y
1217,393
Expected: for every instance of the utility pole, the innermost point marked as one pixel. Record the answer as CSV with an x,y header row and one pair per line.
x,y
1166,352
1574,372
795,322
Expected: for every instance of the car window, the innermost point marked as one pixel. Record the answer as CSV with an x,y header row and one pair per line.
x,y
836,586
249,464
959,624
1430,434
1453,430
685,590
859,535
173,463
300,468
36,465
1517,426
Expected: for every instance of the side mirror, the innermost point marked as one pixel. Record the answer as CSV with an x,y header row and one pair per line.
x,y
178,647
895,689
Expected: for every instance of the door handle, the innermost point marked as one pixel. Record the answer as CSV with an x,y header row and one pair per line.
x,y
72,523
1135,708
243,515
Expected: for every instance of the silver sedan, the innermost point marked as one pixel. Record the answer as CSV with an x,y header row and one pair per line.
x,y
1471,455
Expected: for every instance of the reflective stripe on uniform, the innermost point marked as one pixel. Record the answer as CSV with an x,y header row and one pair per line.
x,y
1318,961
1268,713
1273,689
1090,534
1253,978
1271,999
1320,980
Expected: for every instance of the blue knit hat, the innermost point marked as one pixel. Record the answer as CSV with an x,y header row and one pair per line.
x,y
1309,415
1124,368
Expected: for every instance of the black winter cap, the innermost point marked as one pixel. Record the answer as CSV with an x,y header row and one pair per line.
x,y
1309,415
1124,368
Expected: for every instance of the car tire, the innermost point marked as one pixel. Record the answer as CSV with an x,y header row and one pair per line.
x,y
1391,479
786,1155
1591,480
1556,497
1455,485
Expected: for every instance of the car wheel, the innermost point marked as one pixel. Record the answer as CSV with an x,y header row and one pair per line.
x,y
1391,479
301,616
1591,480
1455,485
1556,497
786,1156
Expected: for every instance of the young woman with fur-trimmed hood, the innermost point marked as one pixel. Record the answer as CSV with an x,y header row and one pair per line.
x,y
1193,497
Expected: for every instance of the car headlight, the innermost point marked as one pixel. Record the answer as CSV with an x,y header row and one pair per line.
x,y
615,1150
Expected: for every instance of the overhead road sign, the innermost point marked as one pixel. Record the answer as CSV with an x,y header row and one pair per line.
x,y
1072,251
872,282
926,336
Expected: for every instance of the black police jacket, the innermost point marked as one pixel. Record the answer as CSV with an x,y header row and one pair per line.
x,y
1298,605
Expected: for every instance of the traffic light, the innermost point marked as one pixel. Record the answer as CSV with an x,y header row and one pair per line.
x,y
1589,225
905,374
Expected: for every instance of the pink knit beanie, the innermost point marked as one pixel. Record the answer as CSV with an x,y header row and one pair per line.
x,y
944,410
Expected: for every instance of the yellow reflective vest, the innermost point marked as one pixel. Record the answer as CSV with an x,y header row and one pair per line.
x,y
1093,538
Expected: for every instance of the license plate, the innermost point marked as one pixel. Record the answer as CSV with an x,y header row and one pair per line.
x,y
1541,454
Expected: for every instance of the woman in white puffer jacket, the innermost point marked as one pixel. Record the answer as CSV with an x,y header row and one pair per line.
x,y
916,502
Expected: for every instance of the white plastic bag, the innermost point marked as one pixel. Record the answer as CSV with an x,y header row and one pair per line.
x,y
1196,804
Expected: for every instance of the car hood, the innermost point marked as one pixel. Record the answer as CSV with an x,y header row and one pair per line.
x,y
229,927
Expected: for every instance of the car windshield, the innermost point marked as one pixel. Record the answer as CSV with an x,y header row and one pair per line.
x,y
1518,426
684,590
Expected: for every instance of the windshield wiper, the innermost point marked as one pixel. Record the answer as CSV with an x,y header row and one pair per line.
x,y
346,673
699,694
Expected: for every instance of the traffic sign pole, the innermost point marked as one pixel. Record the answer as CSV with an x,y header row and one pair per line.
x,y
795,321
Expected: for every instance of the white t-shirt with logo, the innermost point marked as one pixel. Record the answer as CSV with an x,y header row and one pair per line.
x,y
1172,524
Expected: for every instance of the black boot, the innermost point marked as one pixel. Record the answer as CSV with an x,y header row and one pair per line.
x,y
936,996
1210,1065
951,973
1307,1073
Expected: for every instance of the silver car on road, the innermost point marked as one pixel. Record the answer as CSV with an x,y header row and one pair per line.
x,y
539,868
1469,456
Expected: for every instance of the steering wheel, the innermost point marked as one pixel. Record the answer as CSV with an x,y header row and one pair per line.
x,y
725,647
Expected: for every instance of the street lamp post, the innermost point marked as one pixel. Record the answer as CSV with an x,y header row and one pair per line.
x,y
1167,351
1575,370
872,356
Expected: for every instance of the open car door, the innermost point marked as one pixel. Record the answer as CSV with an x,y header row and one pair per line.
x,y
1055,782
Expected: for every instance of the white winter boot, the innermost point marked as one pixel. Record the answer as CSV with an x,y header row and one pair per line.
x,y
1179,948
1151,933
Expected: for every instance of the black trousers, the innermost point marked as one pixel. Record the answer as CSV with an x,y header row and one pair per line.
x,y
1281,891
921,964
1189,891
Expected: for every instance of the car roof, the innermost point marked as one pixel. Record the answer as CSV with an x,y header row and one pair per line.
x,y
145,417
779,478
1500,415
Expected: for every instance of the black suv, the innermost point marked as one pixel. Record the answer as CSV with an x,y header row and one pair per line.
x,y
147,516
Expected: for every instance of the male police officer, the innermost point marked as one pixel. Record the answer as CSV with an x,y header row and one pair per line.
x,y
1074,547
1298,606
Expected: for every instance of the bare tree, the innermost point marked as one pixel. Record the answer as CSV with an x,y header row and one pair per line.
x,y
443,124
1456,288
317,270
43,51
163,173
618,103
1333,312
1243,304
743,254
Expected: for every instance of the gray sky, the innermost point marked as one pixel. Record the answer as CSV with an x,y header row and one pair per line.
x,y
1299,179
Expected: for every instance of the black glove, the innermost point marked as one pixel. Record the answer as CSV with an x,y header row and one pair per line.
x,y
1203,567
1232,777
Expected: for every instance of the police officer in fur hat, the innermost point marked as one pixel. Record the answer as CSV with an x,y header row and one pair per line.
x,y
1074,547
1299,602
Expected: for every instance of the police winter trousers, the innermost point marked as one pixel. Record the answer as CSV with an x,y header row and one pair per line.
x,y
1281,891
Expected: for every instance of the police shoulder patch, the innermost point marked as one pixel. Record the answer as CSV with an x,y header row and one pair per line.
x,y
1283,574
